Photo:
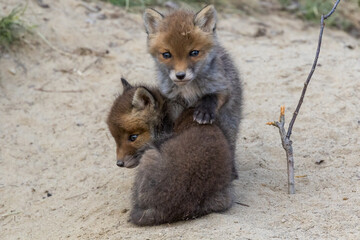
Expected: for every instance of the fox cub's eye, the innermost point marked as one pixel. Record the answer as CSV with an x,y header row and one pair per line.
x,y
166,55
133,137
194,53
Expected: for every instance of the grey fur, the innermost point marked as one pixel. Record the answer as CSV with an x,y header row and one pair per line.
x,y
217,74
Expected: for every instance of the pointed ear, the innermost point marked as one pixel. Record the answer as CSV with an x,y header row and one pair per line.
x,y
152,19
205,19
126,84
143,98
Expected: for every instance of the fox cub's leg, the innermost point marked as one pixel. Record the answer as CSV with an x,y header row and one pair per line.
x,y
217,202
206,109
208,106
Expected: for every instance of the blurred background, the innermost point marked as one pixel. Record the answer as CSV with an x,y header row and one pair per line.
x,y
347,18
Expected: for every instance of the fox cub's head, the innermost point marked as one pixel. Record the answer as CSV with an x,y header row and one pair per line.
x,y
181,41
130,120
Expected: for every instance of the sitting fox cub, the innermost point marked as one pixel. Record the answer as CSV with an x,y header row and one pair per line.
x,y
186,176
194,70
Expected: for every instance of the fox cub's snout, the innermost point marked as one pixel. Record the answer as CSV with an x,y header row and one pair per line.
x,y
181,41
129,123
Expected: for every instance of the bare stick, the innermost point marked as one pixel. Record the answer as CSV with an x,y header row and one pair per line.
x,y
287,145
322,25
10,214
242,204
285,137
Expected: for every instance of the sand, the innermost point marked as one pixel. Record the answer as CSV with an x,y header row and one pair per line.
x,y
58,178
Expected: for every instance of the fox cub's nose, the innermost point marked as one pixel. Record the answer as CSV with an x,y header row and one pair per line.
x,y
180,75
120,163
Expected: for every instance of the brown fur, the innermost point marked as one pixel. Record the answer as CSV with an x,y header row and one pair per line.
x,y
179,39
186,176
134,112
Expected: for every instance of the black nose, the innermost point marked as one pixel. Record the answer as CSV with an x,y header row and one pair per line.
x,y
120,163
180,75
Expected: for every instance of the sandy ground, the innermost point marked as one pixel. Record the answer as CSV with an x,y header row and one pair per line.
x,y
58,178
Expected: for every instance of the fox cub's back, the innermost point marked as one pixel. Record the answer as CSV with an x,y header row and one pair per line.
x,y
187,177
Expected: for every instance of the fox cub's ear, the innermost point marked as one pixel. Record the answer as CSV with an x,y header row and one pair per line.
x,y
152,19
143,98
126,85
205,19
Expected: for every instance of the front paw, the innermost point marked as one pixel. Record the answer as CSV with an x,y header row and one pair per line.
x,y
204,116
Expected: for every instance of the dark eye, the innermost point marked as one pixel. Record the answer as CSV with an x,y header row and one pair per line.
x,y
166,55
194,53
133,137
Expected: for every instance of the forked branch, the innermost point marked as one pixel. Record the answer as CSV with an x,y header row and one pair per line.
x,y
285,137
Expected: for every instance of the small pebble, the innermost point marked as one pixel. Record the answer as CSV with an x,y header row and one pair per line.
x,y
48,194
12,71
319,161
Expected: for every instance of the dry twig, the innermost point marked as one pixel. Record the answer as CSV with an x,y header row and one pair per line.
x,y
285,136
59,91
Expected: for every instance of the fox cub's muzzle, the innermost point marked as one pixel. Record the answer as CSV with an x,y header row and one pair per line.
x,y
129,161
180,75
120,163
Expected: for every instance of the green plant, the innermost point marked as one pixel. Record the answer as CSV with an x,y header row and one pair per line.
x,y
312,9
12,28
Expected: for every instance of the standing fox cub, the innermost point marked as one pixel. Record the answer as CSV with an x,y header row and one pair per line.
x,y
194,70
184,177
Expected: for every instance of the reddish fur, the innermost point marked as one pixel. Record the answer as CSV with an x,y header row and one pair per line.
x,y
178,34
124,120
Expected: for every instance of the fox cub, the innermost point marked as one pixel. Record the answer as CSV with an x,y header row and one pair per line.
x,y
186,176
194,70
133,123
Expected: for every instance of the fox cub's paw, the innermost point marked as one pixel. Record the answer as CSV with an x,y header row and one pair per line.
x,y
206,109
204,115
